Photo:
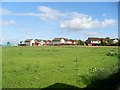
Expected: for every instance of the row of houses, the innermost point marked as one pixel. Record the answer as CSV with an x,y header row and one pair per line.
x,y
40,42
101,41
91,41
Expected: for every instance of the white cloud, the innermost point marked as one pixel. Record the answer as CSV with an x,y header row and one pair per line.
x,y
28,14
75,14
80,22
109,22
45,9
49,13
8,23
44,13
70,20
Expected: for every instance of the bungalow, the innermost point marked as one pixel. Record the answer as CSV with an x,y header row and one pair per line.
x,y
44,42
74,42
41,42
63,41
30,42
58,41
71,42
48,42
115,40
95,41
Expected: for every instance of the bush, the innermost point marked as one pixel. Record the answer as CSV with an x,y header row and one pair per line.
x,y
86,79
100,74
112,53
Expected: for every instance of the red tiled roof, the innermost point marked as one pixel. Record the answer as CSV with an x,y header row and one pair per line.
x,y
66,39
96,39
58,39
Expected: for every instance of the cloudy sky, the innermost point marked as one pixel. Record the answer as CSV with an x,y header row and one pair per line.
x,y
78,20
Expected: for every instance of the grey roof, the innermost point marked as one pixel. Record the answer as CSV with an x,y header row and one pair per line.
x,y
28,40
39,40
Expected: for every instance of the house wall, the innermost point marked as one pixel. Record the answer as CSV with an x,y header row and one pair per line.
x,y
38,44
115,41
69,42
56,42
74,42
42,43
48,43
62,41
89,44
32,43
96,42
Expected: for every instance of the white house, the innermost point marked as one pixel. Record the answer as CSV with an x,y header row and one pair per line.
x,y
63,41
41,42
48,42
29,42
115,40
59,41
96,42
69,41
74,42
93,41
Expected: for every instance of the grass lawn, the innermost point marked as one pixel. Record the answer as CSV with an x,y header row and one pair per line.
x,y
39,67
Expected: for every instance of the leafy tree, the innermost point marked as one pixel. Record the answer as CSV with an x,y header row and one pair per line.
x,y
103,43
80,42
110,42
8,43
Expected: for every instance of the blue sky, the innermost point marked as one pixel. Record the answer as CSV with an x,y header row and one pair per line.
x,y
78,20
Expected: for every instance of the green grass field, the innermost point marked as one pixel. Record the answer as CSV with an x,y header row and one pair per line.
x,y
39,67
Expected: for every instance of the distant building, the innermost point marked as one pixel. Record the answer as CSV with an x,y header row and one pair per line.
x,y
40,42
58,41
29,42
115,40
36,42
95,41
63,41
48,42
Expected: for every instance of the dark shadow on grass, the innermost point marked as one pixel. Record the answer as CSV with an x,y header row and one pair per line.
x,y
110,83
61,86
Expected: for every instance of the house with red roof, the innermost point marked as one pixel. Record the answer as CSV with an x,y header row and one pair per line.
x,y
63,41
92,41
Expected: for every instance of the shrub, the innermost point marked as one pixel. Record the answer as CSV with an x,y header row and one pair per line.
x,y
112,53
100,74
86,79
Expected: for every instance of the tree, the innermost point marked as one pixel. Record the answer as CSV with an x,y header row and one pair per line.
x,y
110,42
8,43
80,42
103,43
